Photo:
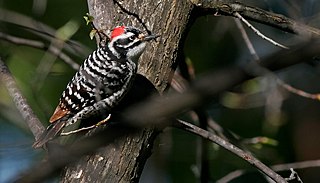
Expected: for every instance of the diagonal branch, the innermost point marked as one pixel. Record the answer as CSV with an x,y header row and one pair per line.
x,y
21,103
228,146
256,31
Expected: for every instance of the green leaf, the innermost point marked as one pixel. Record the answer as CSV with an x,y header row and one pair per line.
x,y
88,18
92,33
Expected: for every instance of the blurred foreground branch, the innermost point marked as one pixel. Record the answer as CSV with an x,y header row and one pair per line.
x,y
38,44
202,91
41,29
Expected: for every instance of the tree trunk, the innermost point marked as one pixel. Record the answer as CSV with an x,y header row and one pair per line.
x,y
124,161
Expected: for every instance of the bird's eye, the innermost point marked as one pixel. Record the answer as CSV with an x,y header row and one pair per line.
x,y
131,38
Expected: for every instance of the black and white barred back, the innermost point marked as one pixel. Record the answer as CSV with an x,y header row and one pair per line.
x,y
100,77
101,82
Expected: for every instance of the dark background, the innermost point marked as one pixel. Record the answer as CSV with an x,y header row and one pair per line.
x,y
259,107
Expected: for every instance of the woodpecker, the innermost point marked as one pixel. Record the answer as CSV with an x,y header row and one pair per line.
x,y
101,81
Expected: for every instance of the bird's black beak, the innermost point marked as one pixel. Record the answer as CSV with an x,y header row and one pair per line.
x,y
148,37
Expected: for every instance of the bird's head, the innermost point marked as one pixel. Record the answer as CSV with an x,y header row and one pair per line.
x,y
129,42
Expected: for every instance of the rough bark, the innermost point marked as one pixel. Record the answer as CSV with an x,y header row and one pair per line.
x,y
124,161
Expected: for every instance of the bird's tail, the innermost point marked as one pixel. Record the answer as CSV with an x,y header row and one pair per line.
x,y
52,130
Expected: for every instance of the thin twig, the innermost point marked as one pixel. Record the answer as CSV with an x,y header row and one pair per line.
x,y
247,40
77,130
296,91
258,32
294,176
86,128
21,103
297,165
132,14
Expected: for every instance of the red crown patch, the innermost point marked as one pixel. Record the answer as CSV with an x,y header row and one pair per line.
x,y
117,31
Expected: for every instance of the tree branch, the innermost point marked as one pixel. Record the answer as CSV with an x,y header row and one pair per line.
x,y
229,7
21,103
228,146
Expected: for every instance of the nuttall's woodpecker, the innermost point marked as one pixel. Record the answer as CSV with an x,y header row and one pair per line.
x,y
100,83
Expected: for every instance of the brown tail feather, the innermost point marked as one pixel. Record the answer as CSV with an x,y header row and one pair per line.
x,y
52,130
